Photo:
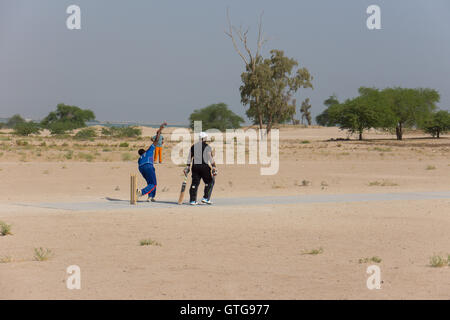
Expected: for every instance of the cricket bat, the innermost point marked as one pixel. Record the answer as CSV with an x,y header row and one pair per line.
x,y
183,189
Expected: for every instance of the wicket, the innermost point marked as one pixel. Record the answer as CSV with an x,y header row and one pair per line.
x,y
133,187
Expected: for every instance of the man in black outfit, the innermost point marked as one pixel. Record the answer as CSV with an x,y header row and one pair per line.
x,y
201,153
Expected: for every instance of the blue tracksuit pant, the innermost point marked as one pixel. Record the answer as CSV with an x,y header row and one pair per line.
x,y
148,172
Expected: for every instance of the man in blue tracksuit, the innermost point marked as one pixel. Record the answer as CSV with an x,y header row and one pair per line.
x,y
147,169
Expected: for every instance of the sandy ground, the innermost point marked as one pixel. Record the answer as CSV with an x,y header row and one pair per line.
x,y
233,252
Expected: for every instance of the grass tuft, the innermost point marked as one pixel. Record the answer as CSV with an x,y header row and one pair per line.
x,y
374,259
42,254
6,259
313,251
149,242
382,183
437,261
5,229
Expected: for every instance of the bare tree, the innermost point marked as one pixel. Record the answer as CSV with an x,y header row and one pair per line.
x,y
250,59
294,121
304,109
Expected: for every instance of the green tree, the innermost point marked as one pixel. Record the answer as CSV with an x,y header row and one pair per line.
x,y
410,107
366,111
438,123
26,128
304,109
268,89
323,119
355,116
14,120
216,116
67,118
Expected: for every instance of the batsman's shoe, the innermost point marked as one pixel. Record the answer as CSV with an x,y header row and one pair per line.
x,y
206,201
152,199
193,203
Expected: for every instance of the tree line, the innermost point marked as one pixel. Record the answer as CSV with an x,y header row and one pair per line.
x,y
392,109
64,118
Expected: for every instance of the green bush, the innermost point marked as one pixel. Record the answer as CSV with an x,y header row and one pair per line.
x,y
128,132
26,128
124,132
124,145
86,133
107,132
22,143
59,128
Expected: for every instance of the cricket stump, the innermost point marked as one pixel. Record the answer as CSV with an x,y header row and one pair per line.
x,y
133,187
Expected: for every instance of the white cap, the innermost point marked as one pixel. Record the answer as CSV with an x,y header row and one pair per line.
x,y
203,135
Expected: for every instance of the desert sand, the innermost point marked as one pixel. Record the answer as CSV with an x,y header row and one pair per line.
x,y
248,251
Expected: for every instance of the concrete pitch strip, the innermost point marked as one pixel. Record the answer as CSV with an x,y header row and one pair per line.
x,y
121,204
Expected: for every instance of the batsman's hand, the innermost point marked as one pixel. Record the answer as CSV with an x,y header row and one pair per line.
x,y
215,171
186,171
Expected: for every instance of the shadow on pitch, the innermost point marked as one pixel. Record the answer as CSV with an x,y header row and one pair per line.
x,y
141,201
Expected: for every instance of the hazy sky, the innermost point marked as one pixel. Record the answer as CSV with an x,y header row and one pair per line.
x,y
154,60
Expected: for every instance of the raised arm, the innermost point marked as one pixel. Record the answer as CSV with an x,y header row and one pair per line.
x,y
158,133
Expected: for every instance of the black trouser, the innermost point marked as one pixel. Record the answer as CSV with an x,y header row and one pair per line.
x,y
201,171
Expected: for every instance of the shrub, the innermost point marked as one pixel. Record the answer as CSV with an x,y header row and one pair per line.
x,y
41,254
107,132
313,251
128,132
69,155
26,128
123,132
437,261
374,259
5,229
86,133
149,242
22,143
59,128
6,259
124,145
86,156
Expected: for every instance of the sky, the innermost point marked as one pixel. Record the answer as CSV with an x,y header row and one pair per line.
x,y
156,60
